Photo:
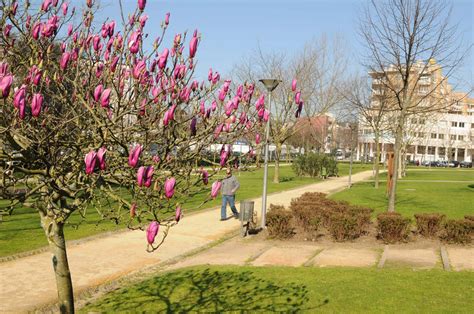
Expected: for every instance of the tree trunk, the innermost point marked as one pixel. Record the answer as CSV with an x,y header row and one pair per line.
x,y
287,154
396,163
276,174
376,162
57,244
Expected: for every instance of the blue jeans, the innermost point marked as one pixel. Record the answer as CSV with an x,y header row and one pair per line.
x,y
231,200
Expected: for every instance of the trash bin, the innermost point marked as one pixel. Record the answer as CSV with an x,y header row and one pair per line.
x,y
246,215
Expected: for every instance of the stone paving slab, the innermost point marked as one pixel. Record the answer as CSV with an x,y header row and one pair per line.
x,y
461,258
286,256
346,257
415,258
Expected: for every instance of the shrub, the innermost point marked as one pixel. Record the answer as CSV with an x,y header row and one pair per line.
x,y
311,164
459,231
306,217
279,224
428,225
469,217
348,222
392,227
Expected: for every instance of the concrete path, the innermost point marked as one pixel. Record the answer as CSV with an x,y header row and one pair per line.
x,y
28,282
258,252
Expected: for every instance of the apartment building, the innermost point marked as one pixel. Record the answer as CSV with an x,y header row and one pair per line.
x,y
442,135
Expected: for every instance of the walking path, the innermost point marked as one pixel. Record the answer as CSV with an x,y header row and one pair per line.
x,y
28,282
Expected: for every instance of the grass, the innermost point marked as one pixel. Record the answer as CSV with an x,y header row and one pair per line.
x,y
415,196
284,289
22,231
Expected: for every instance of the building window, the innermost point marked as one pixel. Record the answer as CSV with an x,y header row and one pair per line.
x,y
420,150
441,151
431,150
461,124
454,124
421,121
441,136
460,137
453,137
472,125
433,135
421,134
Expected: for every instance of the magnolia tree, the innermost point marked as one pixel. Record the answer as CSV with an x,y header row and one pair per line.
x,y
90,118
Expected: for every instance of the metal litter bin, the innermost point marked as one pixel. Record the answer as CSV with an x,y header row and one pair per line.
x,y
246,216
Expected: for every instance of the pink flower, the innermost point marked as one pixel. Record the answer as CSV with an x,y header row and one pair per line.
x,y
105,98
266,115
214,105
6,30
178,214
167,18
134,41
218,130
65,7
36,104
90,160
97,92
134,155
45,5
193,47
89,3
113,64
152,231
142,20
133,210
257,138
64,60
293,85
169,187
139,69
5,85
224,157
216,186
101,157
156,159
145,175
141,4
193,126
163,59
298,97
169,115
260,102
19,101
36,30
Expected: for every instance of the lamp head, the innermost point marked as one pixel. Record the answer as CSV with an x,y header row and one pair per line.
x,y
270,84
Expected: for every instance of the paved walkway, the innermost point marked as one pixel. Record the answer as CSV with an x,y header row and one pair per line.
x,y
28,282
257,252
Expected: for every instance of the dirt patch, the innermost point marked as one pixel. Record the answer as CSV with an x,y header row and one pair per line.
x,y
295,255
346,257
461,258
414,258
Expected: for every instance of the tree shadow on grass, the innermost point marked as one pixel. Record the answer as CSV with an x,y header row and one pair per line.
x,y
206,290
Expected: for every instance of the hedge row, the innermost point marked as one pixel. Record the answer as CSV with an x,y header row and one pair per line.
x,y
344,222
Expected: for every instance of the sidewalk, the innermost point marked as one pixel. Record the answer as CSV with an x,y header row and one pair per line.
x,y
28,282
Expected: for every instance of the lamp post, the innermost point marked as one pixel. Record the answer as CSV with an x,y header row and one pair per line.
x,y
270,85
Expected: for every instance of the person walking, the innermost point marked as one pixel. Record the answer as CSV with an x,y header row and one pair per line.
x,y
230,185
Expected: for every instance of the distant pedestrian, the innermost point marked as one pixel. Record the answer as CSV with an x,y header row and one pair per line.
x,y
230,185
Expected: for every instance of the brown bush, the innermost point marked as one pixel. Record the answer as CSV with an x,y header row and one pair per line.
x,y
459,231
469,217
428,225
392,227
307,218
348,222
279,223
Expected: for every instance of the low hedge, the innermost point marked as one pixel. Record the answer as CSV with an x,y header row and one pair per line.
x,y
428,225
392,227
459,231
279,223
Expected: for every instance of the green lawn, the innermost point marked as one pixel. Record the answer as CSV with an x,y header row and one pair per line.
x,y
22,231
415,196
304,289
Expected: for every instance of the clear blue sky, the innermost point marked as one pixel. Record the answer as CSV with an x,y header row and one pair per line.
x,y
232,29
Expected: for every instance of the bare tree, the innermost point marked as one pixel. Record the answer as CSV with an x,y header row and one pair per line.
x,y
409,44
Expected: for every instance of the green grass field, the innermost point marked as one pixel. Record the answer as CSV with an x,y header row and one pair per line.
x,y
304,289
22,231
417,193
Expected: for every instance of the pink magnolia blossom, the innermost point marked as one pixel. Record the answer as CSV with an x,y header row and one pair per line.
x,y
266,115
89,3
216,186
214,105
36,30
178,214
101,157
36,104
98,92
260,102
205,177
167,18
224,157
45,5
218,130
298,97
139,69
134,155
14,8
5,85
19,101
134,41
142,20
293,85
141,4
257,138
65,7
145,176
152,231
169,187
163,59
113,64
193,47
6,30
105,98
90,160
64,60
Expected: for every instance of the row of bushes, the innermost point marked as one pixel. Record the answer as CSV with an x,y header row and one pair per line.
x,y
393,227
314,164
313,211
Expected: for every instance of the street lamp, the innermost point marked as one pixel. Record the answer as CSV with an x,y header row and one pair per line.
x,y
270,85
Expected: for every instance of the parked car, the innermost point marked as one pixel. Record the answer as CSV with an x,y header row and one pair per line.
x,y
442,163
453,163
465,164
